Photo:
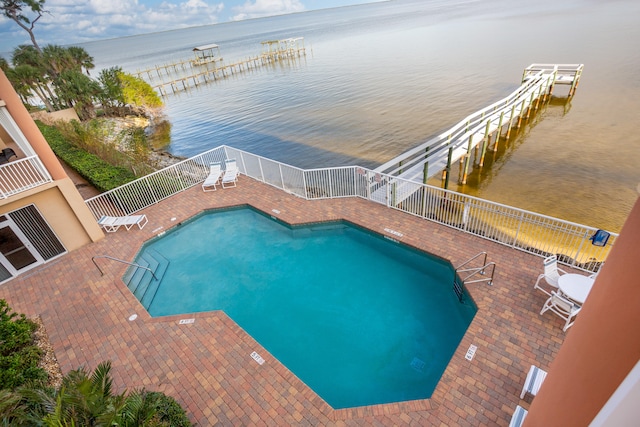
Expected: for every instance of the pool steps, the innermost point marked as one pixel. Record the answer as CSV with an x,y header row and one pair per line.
x,y
141,282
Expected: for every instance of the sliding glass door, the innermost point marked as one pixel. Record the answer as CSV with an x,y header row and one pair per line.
x,y
16,253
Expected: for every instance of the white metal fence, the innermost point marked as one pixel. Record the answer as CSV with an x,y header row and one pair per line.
x,y
516,228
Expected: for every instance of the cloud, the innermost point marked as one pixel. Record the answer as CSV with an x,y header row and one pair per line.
x,y
259,8
75,21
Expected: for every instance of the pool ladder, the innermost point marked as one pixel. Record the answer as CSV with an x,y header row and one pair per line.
x,y
472,271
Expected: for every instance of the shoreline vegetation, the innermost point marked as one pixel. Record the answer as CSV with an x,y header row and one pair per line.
x,y
109,152
110,129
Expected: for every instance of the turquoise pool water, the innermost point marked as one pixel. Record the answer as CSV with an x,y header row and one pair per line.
x,y
360,319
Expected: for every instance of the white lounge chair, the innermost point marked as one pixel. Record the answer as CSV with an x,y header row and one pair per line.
x,y
111,224
230,176
215,172
550,275
562,307
518,416
534,380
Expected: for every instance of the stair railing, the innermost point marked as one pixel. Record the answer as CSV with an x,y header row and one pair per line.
x,y
477,270
122,261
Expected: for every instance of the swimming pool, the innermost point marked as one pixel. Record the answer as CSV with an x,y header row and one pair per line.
x,y
359,318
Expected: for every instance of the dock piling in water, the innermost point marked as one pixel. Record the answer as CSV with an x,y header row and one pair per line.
x,y
214,69
538,82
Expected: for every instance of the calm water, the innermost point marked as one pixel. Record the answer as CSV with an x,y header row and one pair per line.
x,y
356,335
379,79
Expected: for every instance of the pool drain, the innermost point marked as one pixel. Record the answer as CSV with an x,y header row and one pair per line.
x,y
417,364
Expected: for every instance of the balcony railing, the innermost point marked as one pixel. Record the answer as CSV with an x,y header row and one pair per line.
x,y
523,230
22,175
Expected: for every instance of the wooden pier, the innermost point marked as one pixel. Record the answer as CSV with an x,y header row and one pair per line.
x,y
477,131
186,74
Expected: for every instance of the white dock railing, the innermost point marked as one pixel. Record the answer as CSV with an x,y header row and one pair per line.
x,y
516,228
22,175
439,153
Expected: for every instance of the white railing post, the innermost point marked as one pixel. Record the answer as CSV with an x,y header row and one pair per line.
x,y
261,171
304,184
281,177
585,237
330,184
179,177
516,235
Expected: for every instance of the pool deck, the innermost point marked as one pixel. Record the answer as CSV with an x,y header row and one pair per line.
x,y
207,365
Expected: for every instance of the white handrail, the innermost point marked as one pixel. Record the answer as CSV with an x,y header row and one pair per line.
x,y
457,137
517,228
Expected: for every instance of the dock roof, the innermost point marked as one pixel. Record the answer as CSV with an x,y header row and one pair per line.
x,y
206,47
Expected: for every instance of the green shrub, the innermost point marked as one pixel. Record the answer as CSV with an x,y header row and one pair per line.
x,y
169,413
19,357
84,398
99,173
138,92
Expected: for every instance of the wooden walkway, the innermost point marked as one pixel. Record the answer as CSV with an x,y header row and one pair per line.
x,y
477,130
186,74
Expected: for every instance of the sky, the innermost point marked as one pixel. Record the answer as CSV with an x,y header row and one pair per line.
x,y
77,21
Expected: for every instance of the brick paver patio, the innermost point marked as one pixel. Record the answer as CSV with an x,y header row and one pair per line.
x,y
206,365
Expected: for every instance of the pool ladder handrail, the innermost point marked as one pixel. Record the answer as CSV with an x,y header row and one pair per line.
x,y
93,258
477,270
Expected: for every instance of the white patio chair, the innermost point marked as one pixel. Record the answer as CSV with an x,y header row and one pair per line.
x,y
550,275
111,224
215,172
518,416
562,307
230,176
534,380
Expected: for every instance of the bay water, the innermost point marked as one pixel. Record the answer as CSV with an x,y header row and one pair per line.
x,y
378,79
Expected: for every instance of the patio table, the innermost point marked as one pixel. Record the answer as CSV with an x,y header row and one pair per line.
x,y
575,286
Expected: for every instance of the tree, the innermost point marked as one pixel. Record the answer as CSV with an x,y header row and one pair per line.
x,y
55,75
33,74
111,96
13,9
78,91
122,92
27,80
56,59
81,58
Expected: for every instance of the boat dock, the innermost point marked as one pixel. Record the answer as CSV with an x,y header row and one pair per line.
x,y
185,74
478,130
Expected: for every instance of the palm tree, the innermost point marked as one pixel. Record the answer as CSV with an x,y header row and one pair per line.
x,y
25,55
77,91
81,58
86,400
27,80
56,59
60,69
